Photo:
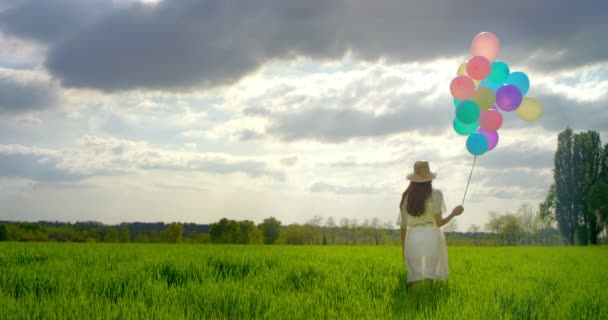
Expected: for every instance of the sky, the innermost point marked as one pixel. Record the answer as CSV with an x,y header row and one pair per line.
x,y
191,111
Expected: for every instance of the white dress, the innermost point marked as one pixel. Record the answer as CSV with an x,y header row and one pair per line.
x,y
426,252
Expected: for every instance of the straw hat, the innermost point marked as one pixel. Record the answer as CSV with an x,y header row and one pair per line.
x,y
422,172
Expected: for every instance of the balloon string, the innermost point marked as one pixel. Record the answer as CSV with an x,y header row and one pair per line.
x,y
470,174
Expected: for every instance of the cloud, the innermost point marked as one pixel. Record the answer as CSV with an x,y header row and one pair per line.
x,y
51,21
34,163
513,183
518,156
134,155
561,112
209,164
319,187
339,125
104,156
188,43
328,105
289,161
23,91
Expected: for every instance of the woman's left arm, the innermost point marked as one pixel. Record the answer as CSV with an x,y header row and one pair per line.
x,y
441,221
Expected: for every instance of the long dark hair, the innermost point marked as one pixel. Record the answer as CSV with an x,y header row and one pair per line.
x,y
417,193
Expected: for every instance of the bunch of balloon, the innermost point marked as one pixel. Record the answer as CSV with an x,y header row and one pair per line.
x,y
483,88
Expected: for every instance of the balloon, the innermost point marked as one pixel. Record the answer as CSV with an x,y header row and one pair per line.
x,y
465,129
456,102
498,72
462,70
467,112
487,83
462,87
520,80
529,110
484,98
478,67
477,144
490,120
492,137
486,44
508,97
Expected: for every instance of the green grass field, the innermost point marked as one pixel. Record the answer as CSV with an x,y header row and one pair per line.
x,y
131,281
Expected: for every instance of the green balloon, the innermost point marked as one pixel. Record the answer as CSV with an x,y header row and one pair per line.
x,y
465,129
456,102
467,112
499,72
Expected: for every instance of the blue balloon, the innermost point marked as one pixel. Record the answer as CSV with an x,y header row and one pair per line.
x,y
477,144
520,80
490,84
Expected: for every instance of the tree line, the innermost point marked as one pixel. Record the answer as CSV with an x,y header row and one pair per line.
x,y
578,198
91,231
524,227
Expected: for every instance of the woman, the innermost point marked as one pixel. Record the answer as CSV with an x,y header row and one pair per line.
x,y
421,208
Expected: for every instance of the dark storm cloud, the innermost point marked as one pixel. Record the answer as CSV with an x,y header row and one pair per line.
x,y
180,44
21,96
51,21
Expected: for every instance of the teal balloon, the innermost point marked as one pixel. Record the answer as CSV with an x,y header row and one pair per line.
x,y
456,102
520,80
465,129
499,72
467,112
490,84
477,144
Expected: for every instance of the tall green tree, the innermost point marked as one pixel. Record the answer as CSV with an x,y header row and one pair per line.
x,y
588,158
579,164
604,174
597,201
271,229
563,174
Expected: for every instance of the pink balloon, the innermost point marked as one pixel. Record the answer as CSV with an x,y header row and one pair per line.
x,y
492,137
479,67
490,120
462,87
486,44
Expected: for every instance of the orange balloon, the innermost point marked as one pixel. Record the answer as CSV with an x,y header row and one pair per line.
x,y
486,44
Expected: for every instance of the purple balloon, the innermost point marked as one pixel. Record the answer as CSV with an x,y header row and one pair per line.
x,y
492,137
508,97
